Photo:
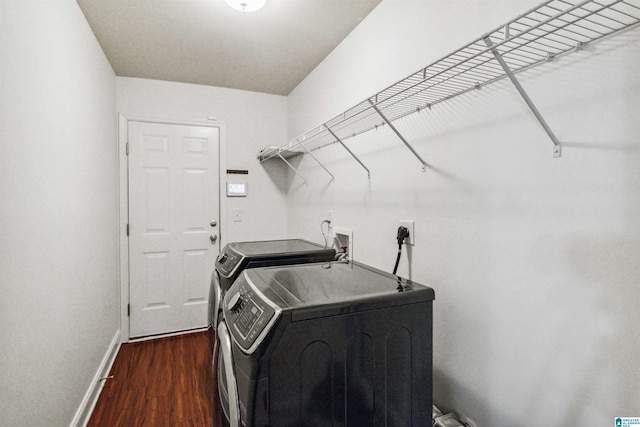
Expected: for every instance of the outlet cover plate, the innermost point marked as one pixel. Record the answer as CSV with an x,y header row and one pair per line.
x,y
410,224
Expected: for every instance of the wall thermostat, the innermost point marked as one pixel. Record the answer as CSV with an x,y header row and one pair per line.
x,y
236,189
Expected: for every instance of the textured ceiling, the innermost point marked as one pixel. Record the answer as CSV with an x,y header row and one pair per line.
x,y
206,42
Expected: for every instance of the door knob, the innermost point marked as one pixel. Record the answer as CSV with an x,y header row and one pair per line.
x,y
213,238
213,223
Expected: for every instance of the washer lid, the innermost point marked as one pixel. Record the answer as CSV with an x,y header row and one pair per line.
x,y
324,289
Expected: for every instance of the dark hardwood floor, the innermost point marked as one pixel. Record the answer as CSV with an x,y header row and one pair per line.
x,y
162,382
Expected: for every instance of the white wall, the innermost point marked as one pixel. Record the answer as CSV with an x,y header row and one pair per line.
x,y
534,260
58,211
251,121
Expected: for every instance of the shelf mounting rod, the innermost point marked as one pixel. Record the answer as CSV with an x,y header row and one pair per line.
x,y
557,148
318,162
347,148
415,153
291,166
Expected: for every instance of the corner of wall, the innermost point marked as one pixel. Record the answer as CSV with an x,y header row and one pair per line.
x,y
88,404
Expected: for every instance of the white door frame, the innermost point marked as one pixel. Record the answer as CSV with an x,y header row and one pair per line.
x,y
123,212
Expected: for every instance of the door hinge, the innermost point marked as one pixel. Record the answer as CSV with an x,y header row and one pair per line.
x,y
127,229
128,310
127,148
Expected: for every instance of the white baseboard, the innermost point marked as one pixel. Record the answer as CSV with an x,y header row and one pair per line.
x,y
169,334
91,396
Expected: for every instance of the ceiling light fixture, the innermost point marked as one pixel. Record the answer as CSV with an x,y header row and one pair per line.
x,y
246,5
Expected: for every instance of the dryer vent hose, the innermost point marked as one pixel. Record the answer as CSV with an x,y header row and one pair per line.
x,y
449,420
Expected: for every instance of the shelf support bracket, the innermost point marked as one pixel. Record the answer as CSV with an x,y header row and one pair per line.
x,y
318,162
292,167
415,153
557,148
349,151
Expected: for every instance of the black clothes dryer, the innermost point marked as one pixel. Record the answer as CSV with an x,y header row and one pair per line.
x,y
326,344
238,256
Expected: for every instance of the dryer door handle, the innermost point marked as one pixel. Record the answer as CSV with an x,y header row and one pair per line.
x,y
232,387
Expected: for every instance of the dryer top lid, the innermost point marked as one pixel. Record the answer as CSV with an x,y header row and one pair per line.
x,y
237,256
276,247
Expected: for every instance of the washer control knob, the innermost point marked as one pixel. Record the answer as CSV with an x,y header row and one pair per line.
x,y
235,302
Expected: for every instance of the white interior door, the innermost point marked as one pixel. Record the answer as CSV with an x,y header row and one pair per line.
x,y
173,225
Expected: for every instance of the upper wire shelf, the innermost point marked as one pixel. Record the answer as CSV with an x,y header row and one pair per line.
x,y
551,29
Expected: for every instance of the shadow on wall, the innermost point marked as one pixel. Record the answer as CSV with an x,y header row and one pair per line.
x,y
591,338
578,362
291,176
278,171
447,387
611,272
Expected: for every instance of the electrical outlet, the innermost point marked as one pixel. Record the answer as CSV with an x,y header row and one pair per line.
x,y
410,224
330,216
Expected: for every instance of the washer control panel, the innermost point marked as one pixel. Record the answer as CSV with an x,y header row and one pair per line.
x,y
249,315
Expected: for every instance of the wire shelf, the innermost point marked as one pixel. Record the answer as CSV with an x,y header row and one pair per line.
x,y
554,28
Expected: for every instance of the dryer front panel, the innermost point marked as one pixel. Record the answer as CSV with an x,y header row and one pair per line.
x,y
357,369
